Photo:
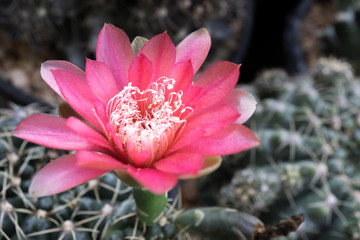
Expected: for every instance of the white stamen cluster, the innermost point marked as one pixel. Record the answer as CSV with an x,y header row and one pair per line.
x,y
146,120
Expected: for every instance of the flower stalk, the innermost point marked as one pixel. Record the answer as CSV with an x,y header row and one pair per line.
x,y
149,206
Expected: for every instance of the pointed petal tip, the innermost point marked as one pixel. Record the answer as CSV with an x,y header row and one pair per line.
x,y
109,25
161,51
20,131
47,75
203,31
236,65
243,101
113,48
252,141
44,64
210,164
36,192
194,46
256,141
16,133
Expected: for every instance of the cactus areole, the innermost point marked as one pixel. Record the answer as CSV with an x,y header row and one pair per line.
x,y
136,110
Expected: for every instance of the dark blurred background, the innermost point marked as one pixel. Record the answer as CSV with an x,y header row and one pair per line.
x,y
260,34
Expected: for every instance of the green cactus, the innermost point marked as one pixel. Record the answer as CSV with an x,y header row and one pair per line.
x,y
341,38
218,223
90,211
102,208
308,160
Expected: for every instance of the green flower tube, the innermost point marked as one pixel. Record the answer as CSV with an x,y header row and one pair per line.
x,y
149,206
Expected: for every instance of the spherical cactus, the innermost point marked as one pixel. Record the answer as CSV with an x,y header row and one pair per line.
x,y
308,159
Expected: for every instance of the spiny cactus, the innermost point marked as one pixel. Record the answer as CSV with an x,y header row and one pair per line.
x,y
103,208
308,160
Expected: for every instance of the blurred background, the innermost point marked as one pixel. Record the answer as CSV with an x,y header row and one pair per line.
x,y
291,34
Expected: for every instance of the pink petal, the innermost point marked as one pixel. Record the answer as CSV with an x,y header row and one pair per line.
x,y
205,123
95,160
140,72
154,180
114,49
232,139
50,131
100,115
217,81
210,164
194,47
243,101
183,75
161,52
83,130
77,94
181,163
191,94
100,80
60,175
139,158
212,119
115,140
50,65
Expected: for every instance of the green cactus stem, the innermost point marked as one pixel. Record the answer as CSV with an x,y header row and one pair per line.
x,y
149,206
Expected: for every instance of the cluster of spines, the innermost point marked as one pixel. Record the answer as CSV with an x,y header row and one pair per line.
x,y
102,208
309,131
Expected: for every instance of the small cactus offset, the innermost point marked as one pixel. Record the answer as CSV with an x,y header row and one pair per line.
x,y
308,160
219,223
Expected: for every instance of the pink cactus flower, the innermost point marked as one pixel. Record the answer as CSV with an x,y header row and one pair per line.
x,y
140,115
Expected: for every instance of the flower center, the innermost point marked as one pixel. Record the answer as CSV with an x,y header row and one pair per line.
x,y
147,121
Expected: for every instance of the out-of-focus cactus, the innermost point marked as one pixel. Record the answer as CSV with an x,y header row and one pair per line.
x,y
308,159
342,37
218,223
